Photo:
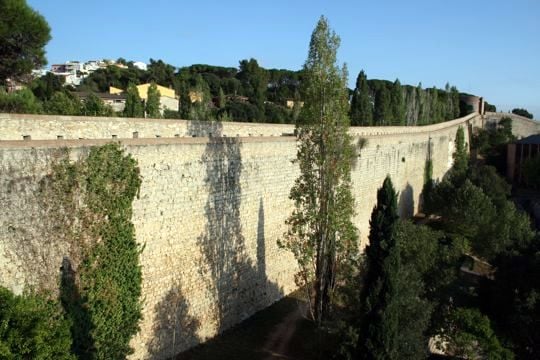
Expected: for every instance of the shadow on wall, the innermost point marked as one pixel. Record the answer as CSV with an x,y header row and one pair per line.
x,y
237,283
81,323
406,202
239,286
175,329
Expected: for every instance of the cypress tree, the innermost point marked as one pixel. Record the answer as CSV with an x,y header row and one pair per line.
x,y
361,106
134,107
152,102
397,104
383,110
380,304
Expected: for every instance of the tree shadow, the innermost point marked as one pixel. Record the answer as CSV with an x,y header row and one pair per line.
x,y
406,202
174,330
239,286
73,304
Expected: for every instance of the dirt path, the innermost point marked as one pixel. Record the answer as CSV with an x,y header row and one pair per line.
x,y
279,341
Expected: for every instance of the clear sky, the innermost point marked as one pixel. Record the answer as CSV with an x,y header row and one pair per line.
x,y
489,48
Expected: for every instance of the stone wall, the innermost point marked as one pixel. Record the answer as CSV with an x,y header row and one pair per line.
x,y
210,212
521,126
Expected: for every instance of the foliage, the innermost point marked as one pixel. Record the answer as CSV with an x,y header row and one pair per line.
x,y
101,79
21,102
469,335
134,106
514,299
522,112
531,172
397,104
63,103
94,106
491,143
461,156
490,107
23,36
202,108
160,73
32,327
102,297
152,102
361,107
254,80
321,234
380,306
46,86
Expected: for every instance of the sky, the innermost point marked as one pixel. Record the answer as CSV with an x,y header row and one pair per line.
x,y
489,48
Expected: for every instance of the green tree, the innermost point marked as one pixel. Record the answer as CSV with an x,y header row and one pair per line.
x,y
134,106
23,36
383,107
361,106
94,106
160,73
21,101
255,82
461,155
32,327
397,104
321,234
152,102
469,335
46,86
522,112
62,103
202,108
380,304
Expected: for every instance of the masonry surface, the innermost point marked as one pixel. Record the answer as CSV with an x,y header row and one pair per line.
x,y
212,206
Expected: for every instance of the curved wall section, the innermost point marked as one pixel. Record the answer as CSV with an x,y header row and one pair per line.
x,y
210,212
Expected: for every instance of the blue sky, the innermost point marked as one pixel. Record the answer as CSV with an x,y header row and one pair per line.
x,y
488,48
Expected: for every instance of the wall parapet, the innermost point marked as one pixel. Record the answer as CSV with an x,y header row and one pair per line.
x,y
52,127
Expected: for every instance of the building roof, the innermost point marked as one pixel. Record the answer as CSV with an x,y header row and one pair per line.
x,y
102,96
533,139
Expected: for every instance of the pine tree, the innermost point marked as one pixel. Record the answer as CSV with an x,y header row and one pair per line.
x,y
380,299
152,102
361,106
321,234
134,107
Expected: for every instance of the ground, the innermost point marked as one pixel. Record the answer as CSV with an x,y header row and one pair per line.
x,y
279,332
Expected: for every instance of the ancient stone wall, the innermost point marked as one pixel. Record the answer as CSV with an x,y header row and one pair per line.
x,y
521,126
209,213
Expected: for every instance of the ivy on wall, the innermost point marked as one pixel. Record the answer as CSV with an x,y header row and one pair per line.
x,y
101,280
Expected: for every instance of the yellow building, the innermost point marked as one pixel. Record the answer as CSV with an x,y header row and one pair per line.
x,y
167,97
163,91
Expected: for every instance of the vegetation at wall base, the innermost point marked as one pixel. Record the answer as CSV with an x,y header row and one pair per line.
x,y
33,327
99,306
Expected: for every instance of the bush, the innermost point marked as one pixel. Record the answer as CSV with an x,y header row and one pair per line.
x,y
21,102
32,327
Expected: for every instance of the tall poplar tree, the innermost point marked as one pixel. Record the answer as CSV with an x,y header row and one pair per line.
x,y
361,106
134,107
321,234
152,102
